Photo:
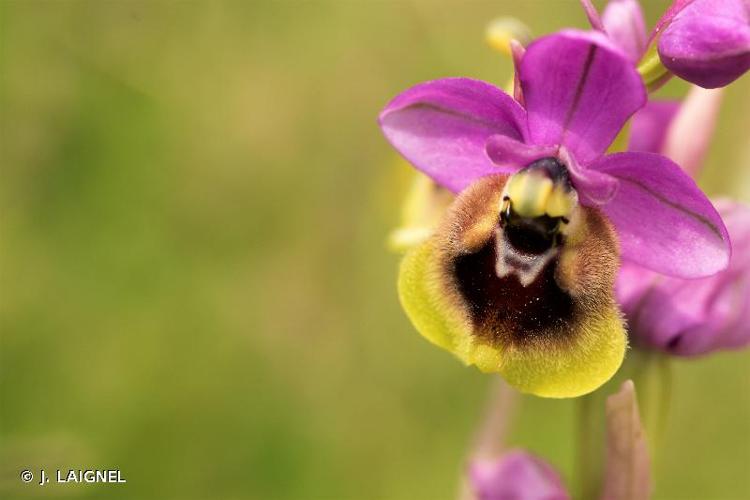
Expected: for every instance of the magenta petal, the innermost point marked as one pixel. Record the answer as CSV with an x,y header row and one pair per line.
x,y
730,307
697,316
624,24
516,475
664,222
708,42
641,301
725,322
666,18
633,283
648,130
509,155
579,91
657,314
442,127
593,187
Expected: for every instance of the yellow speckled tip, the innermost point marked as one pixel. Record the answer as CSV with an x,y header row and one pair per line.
x,y
449,291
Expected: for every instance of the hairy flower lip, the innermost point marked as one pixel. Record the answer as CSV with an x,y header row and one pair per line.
x,y
559,335
579,89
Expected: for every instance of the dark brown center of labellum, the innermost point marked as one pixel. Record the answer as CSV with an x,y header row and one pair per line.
x,y
510,263
503,306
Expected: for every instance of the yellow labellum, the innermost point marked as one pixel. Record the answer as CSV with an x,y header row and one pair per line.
x,y
569,371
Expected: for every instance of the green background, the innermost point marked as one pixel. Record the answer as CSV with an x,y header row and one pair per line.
x,y
194,202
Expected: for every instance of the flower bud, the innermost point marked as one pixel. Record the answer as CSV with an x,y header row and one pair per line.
x,y
708,42
624,23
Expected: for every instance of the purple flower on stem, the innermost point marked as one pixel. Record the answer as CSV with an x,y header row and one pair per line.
x,y
706,42
679,316
518,278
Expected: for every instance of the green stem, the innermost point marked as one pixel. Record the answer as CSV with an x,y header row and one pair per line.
x,y
652,71
652,375
590,453
492,432
502,405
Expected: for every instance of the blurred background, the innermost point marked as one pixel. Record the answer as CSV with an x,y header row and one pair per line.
x,y
194,204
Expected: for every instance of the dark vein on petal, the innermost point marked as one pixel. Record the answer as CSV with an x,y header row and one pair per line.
x,y
579,88
698,217
450,112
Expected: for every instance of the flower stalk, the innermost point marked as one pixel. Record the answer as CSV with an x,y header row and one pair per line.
x,y
489,440
652,373
590,430
652,70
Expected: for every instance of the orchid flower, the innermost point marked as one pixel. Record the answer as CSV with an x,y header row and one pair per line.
x,y
518,277
706,42
678,316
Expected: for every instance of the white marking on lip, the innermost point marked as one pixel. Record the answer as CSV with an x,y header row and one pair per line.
x,y
510,261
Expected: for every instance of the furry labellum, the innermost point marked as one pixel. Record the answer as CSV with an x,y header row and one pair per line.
x,y
518,279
